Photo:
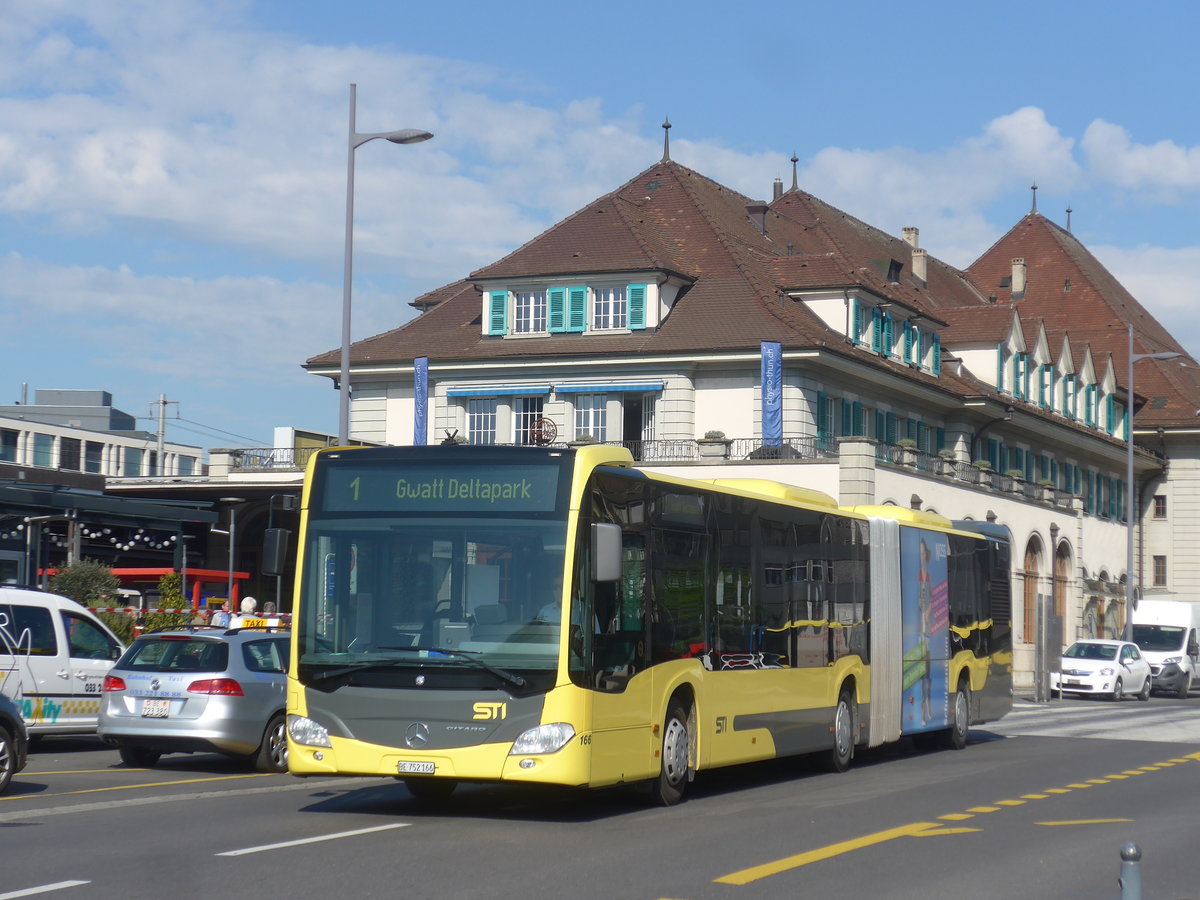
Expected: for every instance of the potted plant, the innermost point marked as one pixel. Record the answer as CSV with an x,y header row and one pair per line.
x,y
949,461
1046,489
714,444
1013,479
908,451
983,470
582,440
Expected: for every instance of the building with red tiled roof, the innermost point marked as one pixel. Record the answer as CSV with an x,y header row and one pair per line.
x,y
996,393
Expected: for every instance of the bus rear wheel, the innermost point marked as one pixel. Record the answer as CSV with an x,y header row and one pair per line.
x,y
960,718
844,718
668,789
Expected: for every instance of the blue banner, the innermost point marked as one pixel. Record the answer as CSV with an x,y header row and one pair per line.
x,y
772,393
420,401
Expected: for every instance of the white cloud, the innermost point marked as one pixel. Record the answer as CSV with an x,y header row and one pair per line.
x,y
1164,281
1163,168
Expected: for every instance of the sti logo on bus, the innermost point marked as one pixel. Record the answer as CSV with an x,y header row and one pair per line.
x,y
491,710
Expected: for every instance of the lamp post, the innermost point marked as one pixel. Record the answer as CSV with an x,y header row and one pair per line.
x,y
356,140
1130,511
235,502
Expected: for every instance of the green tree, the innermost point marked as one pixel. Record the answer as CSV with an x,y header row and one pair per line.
x,y
94,585
170,590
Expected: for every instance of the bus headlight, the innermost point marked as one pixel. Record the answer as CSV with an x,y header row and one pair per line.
x,y
305,731
543,739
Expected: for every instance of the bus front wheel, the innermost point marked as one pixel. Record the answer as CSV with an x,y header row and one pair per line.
x,y
672,780
844,717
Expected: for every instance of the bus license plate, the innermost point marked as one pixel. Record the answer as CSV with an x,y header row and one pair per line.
x,y
155,709
414,768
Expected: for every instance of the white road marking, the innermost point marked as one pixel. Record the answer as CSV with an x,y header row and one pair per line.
x,y
44,889
311,840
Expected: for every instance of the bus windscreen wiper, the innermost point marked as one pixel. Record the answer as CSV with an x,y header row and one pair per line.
x,y
472,657
358,667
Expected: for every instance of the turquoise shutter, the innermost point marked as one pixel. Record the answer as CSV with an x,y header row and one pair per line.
x,y
880,425
1000,368
556,301
577,309
824,422
889,342
941,439
1110,414
855,321
877,330
637,306
847,418
858,420
937,354
498,312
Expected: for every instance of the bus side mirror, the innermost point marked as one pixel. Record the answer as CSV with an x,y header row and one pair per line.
x,y
275,547
606,551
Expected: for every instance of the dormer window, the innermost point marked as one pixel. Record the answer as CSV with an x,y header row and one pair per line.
x,y
530,312
558,310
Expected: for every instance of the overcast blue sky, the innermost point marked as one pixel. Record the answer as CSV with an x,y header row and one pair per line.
x,y
172,173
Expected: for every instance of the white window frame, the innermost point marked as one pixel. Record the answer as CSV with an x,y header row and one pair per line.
x,y
591,415
610,308
530,311
481,420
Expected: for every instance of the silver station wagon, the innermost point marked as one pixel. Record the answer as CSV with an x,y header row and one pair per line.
x,y
200,690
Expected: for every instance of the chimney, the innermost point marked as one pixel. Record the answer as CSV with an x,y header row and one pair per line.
x,y
777,188
1018,278
757,210
919,260
912,236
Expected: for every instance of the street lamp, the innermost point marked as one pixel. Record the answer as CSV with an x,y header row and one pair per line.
x,y
1130,512
356,140
235,502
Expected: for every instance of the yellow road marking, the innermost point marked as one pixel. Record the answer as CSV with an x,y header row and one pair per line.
x,y
1084,822
1010,802
1132,772
1180,759
1149,768
1097,781
73,772
1118,777
754,873
942,831
1057,791
130,787
1034,796
956,817
983,809
1078,786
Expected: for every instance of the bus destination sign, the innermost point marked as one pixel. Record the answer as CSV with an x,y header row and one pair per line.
x,y
438,488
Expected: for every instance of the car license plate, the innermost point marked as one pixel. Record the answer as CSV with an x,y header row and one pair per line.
x,y
414,768
1073,682
156,709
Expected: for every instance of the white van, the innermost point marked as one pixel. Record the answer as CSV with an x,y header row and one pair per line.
x,y
54,654
1166,633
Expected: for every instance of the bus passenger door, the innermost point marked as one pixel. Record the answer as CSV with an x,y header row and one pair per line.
x,y
621,740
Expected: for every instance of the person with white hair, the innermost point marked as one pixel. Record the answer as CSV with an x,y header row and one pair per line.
x,y
249,605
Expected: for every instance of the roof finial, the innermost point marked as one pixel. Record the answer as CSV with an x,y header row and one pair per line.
x,y
795,159
1069,211
1033,188
666,139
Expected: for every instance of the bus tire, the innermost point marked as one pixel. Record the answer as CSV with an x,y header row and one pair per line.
x,y
960,718
671,784
845,718
429,790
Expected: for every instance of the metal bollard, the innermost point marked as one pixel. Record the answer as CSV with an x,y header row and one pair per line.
x,y
1131,871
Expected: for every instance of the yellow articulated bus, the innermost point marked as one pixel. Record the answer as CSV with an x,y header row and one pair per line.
x,y
559,617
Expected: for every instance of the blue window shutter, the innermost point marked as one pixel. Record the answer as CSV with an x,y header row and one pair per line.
x,y
1110,414
855,321
993,453
498,312
937,354
912,429
877,329
576,309
880,425
1000,367
824,421
847,418
889,338
636,295
859,416
908,341
556,314
941,439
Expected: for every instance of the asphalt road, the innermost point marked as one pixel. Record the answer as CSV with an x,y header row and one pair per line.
x,y
1037,806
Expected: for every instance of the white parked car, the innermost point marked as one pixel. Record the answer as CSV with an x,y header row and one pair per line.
x,y
1110,669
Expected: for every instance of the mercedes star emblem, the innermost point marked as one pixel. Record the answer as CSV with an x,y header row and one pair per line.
x,y
417,735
